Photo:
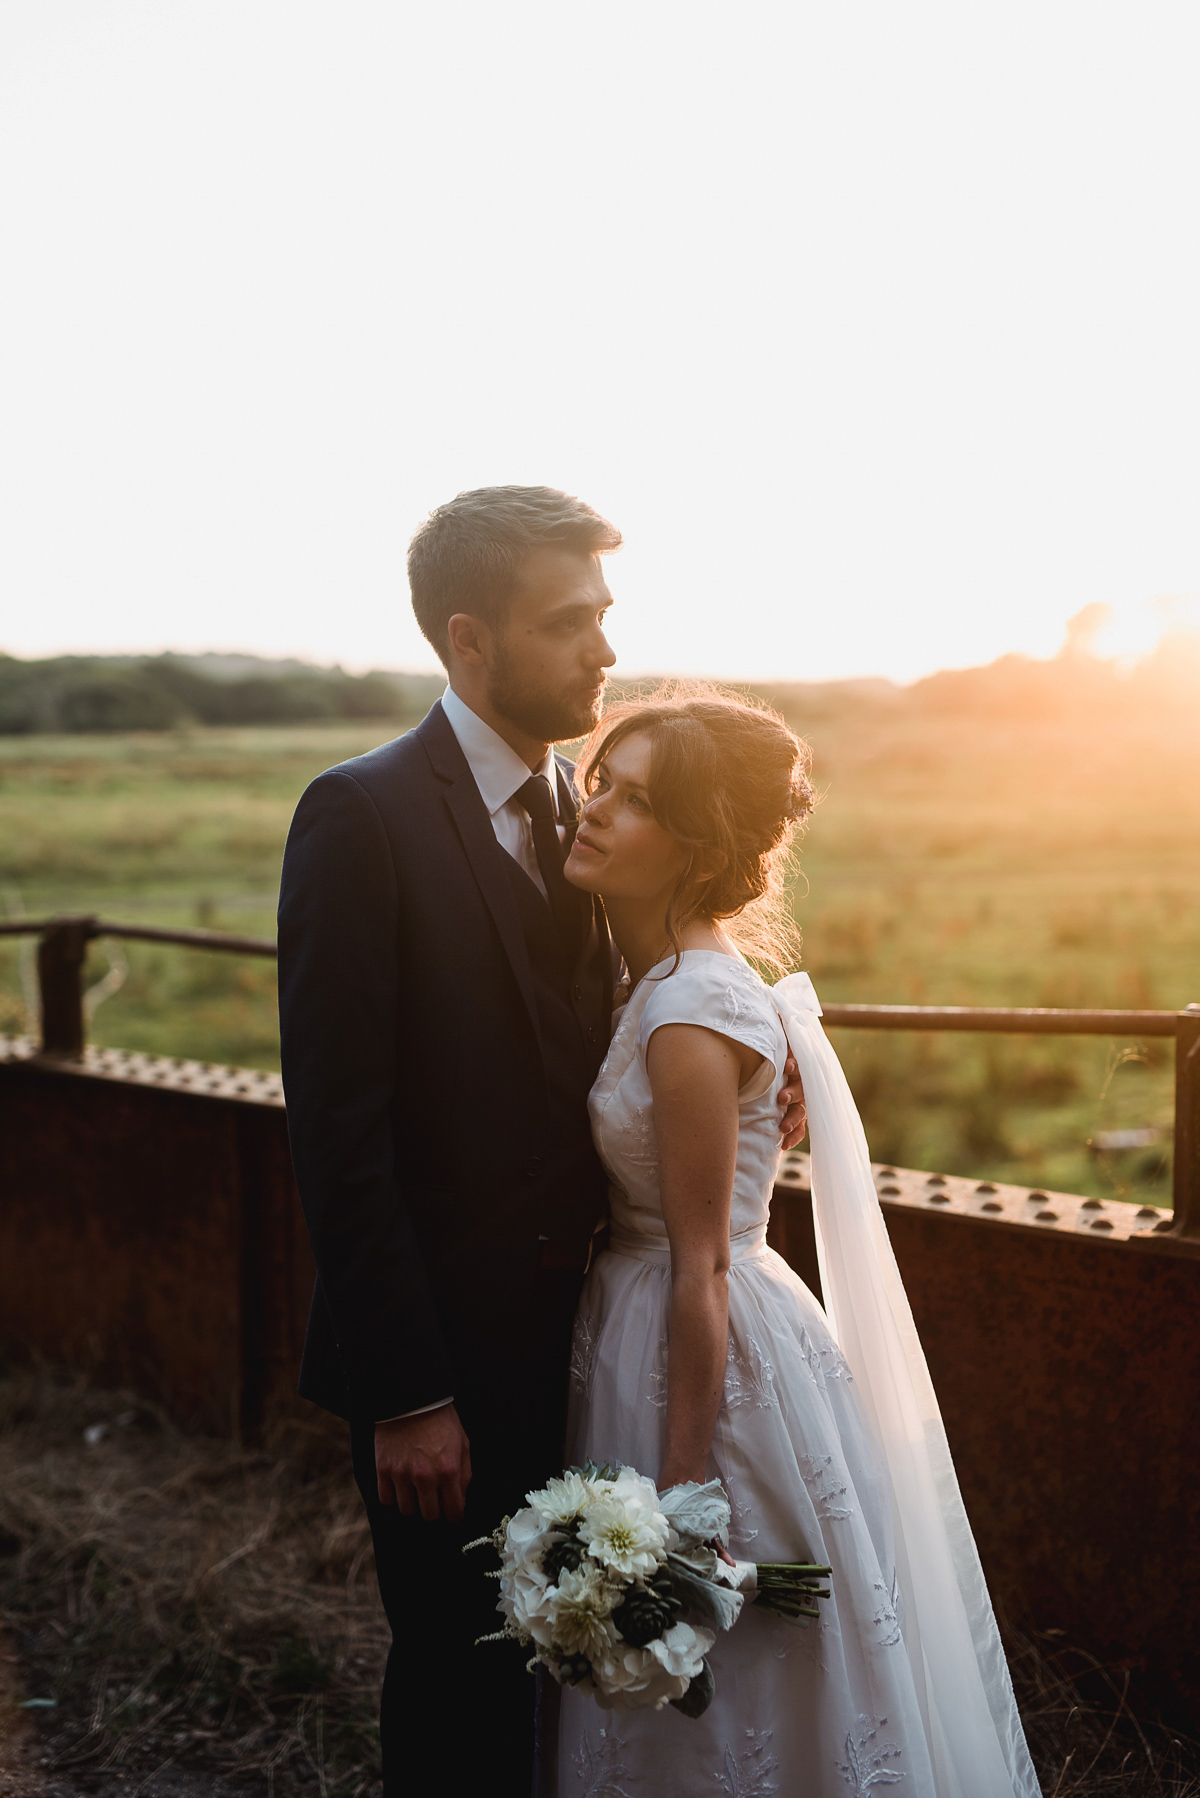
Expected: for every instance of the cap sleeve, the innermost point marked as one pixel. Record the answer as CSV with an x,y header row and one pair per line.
x,y
725,996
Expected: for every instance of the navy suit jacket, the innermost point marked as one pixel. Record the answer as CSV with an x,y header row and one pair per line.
x,y
432,1143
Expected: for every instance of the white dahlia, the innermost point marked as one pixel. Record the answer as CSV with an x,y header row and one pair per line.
x,y
561,1501
623,1527
575,1614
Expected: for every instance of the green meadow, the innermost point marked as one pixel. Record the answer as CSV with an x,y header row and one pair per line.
x,y
1010,844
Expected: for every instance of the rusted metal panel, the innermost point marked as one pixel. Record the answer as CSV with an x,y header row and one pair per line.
x,y
1060,1337
150,1233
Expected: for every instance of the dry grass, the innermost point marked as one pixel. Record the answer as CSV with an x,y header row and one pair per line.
x,y
186,1601
197,1608
1086,1738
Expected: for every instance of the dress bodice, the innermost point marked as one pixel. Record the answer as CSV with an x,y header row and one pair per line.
x,y
724,995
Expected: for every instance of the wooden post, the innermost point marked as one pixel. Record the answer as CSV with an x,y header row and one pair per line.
x,y
61,955
1187,1123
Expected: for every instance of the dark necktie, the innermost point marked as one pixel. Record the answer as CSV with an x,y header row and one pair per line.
x,y
537,799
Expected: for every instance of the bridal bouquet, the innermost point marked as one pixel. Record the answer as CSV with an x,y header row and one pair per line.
x,y
599,1570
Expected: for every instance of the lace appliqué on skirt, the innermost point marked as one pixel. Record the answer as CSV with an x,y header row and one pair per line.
x,y
824,1488
749,1377
739,1514
864,1768
826,1363
887,1613
657,1395
583,1348
600,1769
750,1774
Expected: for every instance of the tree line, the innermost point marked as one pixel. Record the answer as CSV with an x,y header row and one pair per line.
x,y
168,692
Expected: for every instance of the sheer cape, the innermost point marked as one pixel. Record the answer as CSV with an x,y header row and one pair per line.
x,y
973,1729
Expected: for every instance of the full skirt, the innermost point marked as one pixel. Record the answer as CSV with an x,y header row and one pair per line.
x,y
805,1709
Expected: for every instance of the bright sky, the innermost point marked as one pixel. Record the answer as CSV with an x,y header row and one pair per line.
x,y
873,326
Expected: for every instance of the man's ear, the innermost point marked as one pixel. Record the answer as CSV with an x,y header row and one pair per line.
x,y
469,638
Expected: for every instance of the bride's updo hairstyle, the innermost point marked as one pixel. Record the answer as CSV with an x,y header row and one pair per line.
x,y
730,781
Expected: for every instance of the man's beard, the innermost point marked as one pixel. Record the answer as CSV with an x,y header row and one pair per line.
x,y
546,717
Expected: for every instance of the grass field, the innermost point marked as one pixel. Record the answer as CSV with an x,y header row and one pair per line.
x,y
205,1619
960,854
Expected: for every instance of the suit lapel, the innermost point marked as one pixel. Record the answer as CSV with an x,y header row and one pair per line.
x,y
483,852
596,944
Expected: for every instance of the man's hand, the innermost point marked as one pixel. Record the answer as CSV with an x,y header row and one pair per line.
x,y
794,1121
424,1463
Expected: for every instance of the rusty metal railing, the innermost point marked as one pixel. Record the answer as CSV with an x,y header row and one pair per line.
x,y
1183,1025
62,951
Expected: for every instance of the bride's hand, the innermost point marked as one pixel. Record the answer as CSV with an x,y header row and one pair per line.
x,y
794,1121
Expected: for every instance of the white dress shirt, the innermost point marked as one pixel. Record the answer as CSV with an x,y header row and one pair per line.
x,y
499,773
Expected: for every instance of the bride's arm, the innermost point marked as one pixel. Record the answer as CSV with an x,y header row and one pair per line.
x,y
694,1079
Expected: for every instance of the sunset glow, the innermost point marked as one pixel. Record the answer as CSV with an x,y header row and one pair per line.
x,y
873,328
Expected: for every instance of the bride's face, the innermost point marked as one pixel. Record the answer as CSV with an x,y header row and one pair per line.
x,y
620,848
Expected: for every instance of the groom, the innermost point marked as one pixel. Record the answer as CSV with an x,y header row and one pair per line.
x,y
445,998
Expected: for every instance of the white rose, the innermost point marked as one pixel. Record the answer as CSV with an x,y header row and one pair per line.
x,y
634,1679
525,1539
682,1649
624,1529
522,1581
522,1590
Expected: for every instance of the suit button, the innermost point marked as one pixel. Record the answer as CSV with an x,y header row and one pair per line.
x,y
533,1167
577,992
591,1033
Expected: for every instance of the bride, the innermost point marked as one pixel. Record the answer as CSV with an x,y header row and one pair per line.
x,y
699,1354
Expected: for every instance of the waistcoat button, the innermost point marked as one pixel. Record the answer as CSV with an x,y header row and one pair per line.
x,y
533,1167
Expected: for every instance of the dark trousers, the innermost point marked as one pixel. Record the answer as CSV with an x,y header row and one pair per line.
x,y
455,1718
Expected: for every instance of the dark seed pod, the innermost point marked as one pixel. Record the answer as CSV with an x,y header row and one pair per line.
x,y
647,1612
562,1557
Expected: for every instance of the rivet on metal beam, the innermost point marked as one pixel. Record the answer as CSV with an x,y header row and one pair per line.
x,y
889,1192
985,1186
1101,1223
1049,1217
936,1180
1148,1211
1092,1205
991,1205
939,1198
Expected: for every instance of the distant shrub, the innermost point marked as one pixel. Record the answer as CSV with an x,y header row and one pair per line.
x,y
95,693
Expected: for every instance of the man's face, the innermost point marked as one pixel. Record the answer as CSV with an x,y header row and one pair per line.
x,y
545,665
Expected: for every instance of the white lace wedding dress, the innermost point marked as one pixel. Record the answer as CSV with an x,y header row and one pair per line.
x,y
828,1442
